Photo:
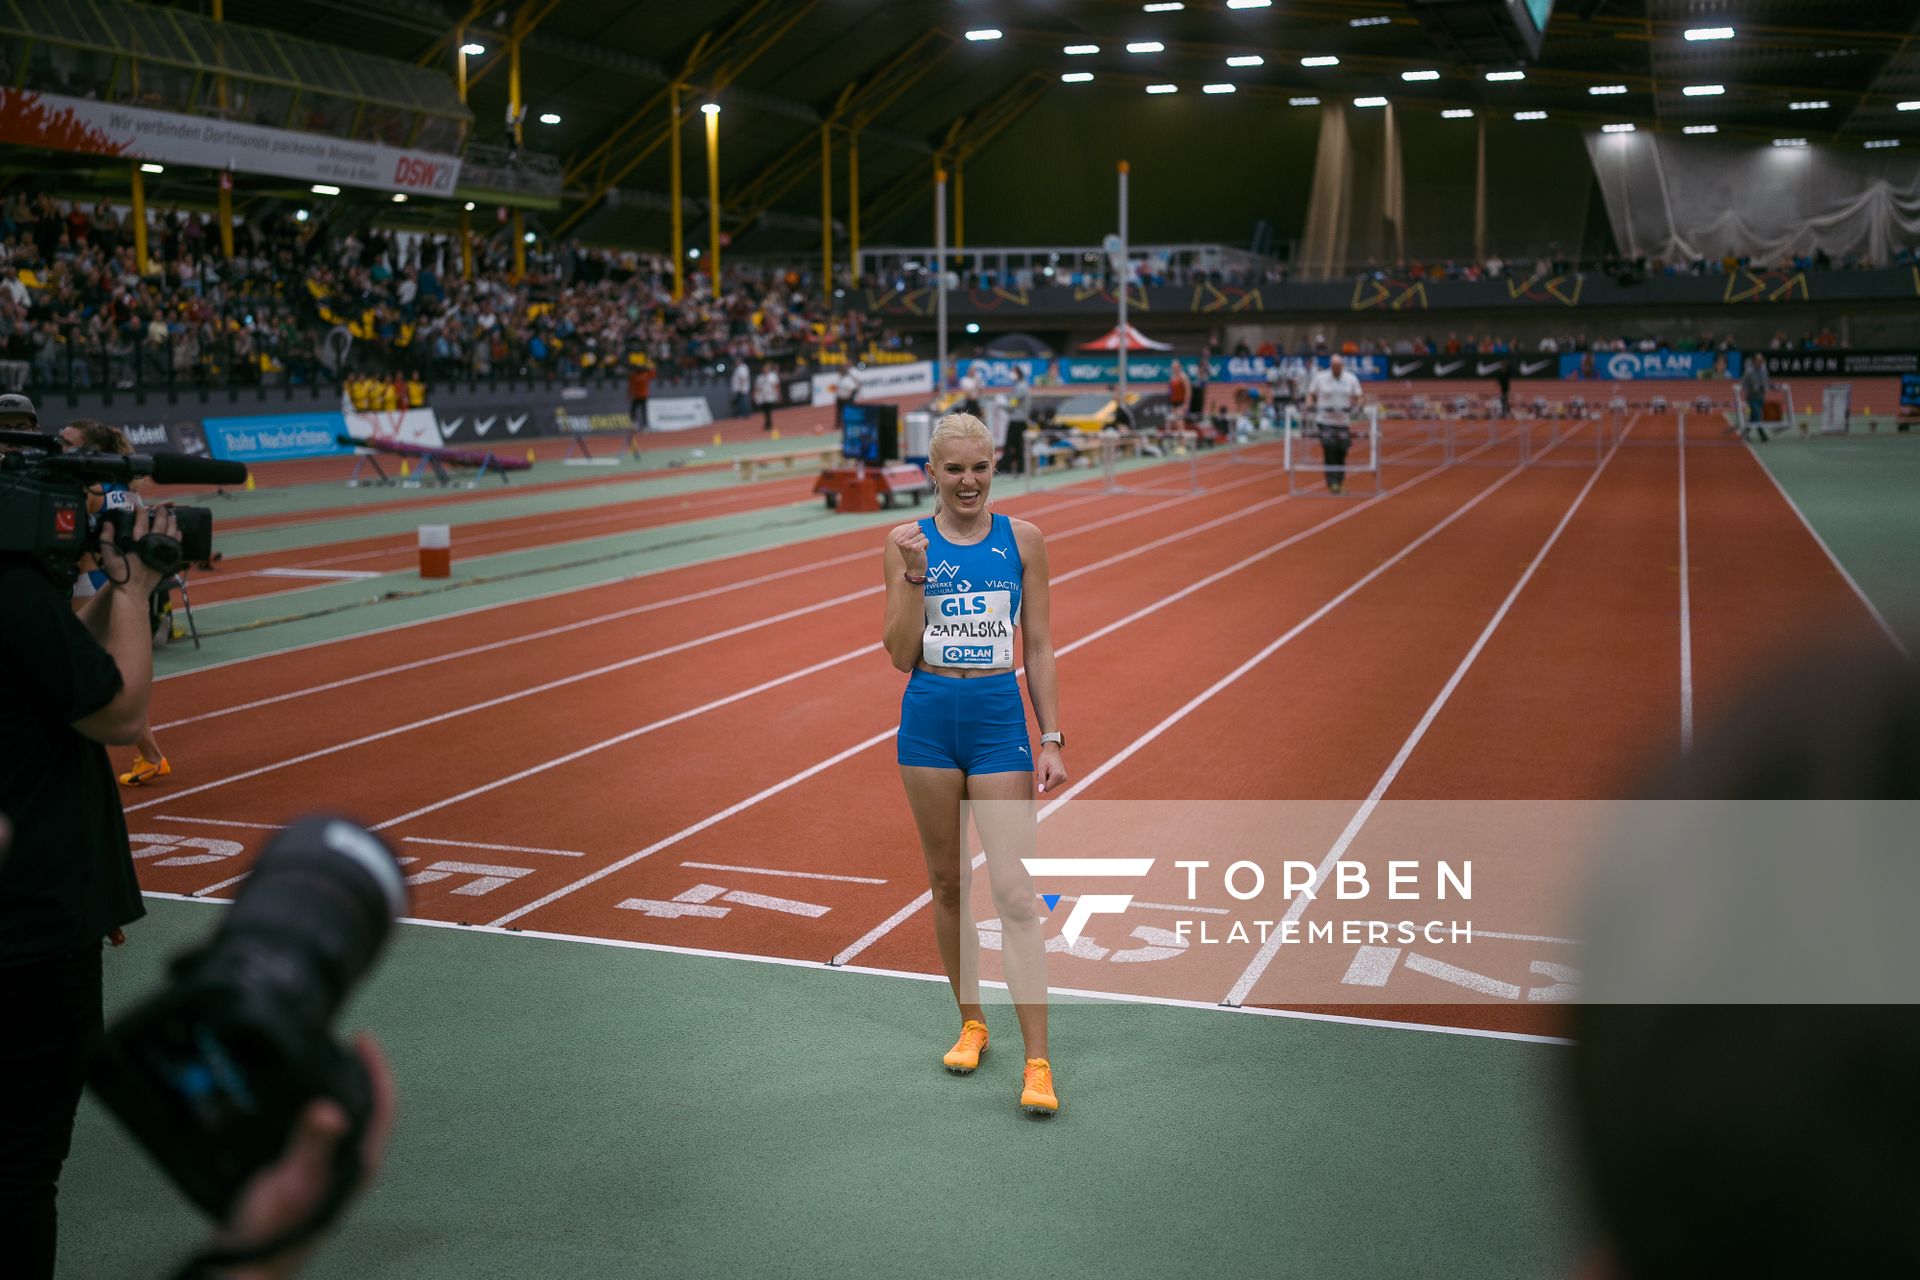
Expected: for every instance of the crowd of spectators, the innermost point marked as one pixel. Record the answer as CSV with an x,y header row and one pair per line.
x,y
1181,268
1547,344
297,304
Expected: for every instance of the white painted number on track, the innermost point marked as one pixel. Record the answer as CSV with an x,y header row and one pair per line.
x,y
1372,966
697,902
215,850
1157,944
486,878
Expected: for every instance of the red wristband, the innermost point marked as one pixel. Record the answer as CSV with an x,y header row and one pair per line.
x,y
920,581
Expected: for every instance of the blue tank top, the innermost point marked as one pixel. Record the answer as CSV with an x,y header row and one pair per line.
x,y
972,598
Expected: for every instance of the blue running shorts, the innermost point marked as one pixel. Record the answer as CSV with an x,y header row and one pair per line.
x,y
975,725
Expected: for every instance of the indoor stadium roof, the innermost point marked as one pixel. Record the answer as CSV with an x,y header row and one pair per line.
x,y
905,73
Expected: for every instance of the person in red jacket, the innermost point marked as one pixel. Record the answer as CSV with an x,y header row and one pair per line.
x,y
639,384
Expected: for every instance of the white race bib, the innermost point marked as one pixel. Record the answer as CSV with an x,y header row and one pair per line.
x,y
969,629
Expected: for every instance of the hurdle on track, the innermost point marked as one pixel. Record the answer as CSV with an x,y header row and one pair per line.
x,y
1177,450
1295,458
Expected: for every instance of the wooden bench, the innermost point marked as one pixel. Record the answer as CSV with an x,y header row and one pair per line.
x,y
800,458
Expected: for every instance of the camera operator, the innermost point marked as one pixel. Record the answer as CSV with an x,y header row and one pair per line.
x,y
70,683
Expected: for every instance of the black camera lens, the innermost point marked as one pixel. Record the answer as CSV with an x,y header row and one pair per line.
x,y
211,1073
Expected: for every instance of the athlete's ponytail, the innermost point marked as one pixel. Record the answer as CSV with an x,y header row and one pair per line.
x,y
955,427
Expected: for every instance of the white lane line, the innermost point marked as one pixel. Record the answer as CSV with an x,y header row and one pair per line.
x,y
220,822
1243,986
328,574
499,848
517,695
628,736
795,779
907,912
1893,637
1686,605
776,871
224,884
522,601
787,962
1129,556
668,842
616,616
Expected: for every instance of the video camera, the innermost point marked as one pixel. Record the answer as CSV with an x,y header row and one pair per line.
x,y
43,503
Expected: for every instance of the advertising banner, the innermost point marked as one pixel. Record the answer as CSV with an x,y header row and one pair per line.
x,y
276,437
414,426
181,435
1843,364
996,372
679,413
57,123
877,382
1644,366
1087,369
494,425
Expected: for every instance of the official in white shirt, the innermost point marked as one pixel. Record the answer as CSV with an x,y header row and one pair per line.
x,y
742,385
1333,397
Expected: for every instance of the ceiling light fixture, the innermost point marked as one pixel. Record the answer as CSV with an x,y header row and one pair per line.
x,y
1077,50
549,117
1605,90
1169,6
1303,102
473,50
322,189
1249,4
1497,76
1217,88
1616,128
1163,88
1818,104
1419,75
1380,21
1247,60
1878,143
1145,46
1789,142
984,33
153,168
1457,113
1324,60
1710,33
1529,115
1076,77
1701,128
1704,90
1369,102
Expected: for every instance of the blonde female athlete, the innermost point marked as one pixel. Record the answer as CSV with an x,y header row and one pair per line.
x,y
958,582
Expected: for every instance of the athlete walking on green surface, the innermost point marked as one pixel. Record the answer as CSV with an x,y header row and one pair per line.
x,y
958,584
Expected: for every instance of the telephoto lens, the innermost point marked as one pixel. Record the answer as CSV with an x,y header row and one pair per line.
x,y
211,1073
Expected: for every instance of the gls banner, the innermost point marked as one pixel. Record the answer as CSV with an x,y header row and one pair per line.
x,y
1648,366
